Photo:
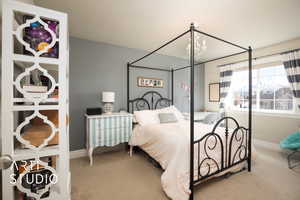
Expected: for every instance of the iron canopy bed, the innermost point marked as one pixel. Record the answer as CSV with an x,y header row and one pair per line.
x,y
229,158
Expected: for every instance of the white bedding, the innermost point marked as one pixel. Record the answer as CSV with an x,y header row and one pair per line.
x,y
169,144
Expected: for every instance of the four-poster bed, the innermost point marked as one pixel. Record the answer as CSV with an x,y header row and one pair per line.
x,y
232,145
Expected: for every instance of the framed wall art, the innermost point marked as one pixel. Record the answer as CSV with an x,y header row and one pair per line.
x,y
214,92
150,82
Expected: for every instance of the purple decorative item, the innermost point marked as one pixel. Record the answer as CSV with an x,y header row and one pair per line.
x,y
39,38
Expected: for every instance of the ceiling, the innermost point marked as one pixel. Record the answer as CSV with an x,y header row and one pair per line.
x,y
146,25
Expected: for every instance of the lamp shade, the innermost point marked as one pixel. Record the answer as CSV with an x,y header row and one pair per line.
x,y
108,97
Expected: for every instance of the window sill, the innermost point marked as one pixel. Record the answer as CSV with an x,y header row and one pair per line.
x,y
270,114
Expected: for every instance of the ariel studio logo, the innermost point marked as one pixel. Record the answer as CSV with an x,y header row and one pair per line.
x,y
32,173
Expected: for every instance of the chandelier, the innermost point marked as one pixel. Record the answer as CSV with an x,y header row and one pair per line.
x,y
199,47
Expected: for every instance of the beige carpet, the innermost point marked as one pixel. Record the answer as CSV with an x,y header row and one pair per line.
x,y
116,176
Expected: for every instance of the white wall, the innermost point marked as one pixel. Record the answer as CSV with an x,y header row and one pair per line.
x,y
271,128
24,1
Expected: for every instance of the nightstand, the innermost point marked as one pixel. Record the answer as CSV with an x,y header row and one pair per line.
x,y
107,130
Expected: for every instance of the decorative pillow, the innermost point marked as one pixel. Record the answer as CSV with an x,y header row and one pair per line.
x,y
146,117
167,118
174,110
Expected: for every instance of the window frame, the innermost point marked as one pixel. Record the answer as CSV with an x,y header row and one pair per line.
x,y
258,108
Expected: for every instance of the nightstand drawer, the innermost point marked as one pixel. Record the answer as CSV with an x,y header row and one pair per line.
x,y
100,127
112,136
113,122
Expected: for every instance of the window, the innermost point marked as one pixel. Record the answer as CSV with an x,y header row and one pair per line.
x,y
270,92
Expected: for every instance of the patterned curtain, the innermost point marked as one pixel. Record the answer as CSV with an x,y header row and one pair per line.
x,y
291,62
225,82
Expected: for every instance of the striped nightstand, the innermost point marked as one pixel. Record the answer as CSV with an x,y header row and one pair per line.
x,y
107,130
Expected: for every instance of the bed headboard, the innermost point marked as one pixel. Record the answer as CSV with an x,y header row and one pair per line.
x,y
150,100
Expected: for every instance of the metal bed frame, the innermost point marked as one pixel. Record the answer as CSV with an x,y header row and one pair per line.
x,y
242,136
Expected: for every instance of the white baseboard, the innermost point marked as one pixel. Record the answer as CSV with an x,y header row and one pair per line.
x,y
260,143
78,153
268,145
83,152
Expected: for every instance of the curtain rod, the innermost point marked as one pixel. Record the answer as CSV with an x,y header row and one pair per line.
x,y
259,57
290,51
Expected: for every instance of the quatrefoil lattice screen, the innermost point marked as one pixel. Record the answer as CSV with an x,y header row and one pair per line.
x,y
35,102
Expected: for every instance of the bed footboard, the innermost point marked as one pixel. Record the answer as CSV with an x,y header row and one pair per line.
x,y
221,149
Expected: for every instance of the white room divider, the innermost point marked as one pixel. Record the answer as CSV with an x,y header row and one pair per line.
x,y
35,59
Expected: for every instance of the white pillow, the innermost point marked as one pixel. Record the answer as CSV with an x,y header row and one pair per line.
x,y
146,117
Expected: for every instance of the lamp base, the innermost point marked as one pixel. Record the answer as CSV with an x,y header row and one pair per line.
x,y
108,108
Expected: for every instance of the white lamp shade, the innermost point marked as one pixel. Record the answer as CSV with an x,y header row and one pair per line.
x,y
108,97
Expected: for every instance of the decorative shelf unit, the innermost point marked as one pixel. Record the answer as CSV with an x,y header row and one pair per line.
x,y
34,45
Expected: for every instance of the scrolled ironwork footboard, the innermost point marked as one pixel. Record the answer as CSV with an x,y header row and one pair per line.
x,y
221,149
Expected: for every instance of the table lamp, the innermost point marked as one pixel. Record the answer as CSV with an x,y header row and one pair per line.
x,y
108,99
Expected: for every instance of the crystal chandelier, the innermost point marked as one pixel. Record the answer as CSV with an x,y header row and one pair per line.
x,y
199,47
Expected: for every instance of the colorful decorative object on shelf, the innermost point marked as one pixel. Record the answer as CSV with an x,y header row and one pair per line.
x,y
55,93
39,38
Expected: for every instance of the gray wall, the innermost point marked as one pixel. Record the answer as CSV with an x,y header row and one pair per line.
x,y
97,67
181,98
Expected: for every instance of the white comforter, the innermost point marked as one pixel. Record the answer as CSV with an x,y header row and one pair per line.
x,y
169,144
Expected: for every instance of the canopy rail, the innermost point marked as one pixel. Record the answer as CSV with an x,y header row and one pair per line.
x,y
217,38
150,68
212,60
152,52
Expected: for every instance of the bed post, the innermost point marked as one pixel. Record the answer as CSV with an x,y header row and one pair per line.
x,y
128,66
172,85
250,109
192,29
